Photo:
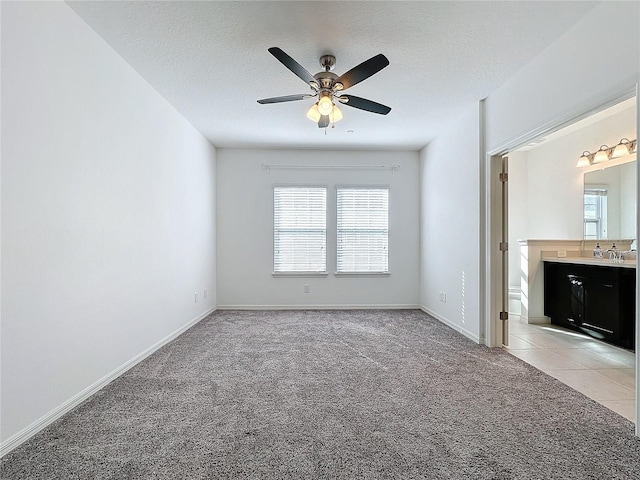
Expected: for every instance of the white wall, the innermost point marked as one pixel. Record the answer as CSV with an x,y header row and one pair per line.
x,y
556,186
449,225
518,195
628,188
245,236
108,214
580,68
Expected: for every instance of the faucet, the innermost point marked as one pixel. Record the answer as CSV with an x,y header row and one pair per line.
x,y
615,255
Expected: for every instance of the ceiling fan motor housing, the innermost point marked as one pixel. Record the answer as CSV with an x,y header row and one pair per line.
x,y
325,79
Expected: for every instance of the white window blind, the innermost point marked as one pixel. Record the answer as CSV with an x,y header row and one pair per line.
x,y
299,229
363,229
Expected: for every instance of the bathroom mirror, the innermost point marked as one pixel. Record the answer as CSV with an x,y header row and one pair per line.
x,y
610,202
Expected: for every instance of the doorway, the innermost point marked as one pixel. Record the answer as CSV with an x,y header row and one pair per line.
x,y
535,187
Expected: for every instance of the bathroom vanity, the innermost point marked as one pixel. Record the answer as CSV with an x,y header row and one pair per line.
x,y
593,296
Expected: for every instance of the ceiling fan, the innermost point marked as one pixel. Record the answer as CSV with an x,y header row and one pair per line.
x,y
328,87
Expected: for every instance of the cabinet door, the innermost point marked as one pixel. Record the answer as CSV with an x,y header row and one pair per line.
x,y
597,300
576,304
602,306
563,295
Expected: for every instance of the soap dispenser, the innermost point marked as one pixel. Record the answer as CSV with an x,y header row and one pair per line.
x,y
597,252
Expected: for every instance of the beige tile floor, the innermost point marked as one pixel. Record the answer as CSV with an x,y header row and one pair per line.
x,y
600,371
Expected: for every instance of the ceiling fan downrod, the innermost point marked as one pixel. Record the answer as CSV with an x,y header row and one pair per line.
x,y
327,62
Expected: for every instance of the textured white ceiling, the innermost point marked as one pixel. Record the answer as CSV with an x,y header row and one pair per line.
x,y
210,61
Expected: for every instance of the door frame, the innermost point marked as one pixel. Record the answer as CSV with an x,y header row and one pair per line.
x,y
491,216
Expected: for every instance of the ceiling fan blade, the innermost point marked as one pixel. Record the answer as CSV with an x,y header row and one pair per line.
x,y
363,71
292,65
364,104
287,98
323,122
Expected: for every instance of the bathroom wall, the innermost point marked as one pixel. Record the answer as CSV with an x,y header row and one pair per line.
x,y
546,189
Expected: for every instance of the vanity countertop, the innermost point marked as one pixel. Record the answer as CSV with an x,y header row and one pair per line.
x,y
604,262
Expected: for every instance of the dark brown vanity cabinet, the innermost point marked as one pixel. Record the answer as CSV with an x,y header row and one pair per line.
x,y
598,300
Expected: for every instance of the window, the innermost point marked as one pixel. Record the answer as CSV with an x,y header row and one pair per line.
x,y
299,229
363,229
595,212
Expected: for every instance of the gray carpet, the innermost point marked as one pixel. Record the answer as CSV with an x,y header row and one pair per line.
x,y
331,394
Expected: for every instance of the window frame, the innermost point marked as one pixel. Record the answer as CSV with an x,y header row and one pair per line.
x,y
295,273
386,273
600,220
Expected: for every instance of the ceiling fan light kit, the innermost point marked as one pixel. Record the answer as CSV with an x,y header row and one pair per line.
x,y
327,86
314,114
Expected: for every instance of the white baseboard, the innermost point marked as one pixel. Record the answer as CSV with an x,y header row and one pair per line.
x,y
321,307
515,301
449,323
538,320
28,432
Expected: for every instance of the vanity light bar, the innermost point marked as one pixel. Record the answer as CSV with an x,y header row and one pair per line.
x,y
605,153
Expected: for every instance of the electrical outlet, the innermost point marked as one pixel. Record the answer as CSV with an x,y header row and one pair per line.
x,y
204,295
195,297
306,289
443,297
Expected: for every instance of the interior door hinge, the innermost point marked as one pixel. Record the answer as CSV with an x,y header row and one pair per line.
x,y
504,316
504,246
504,177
